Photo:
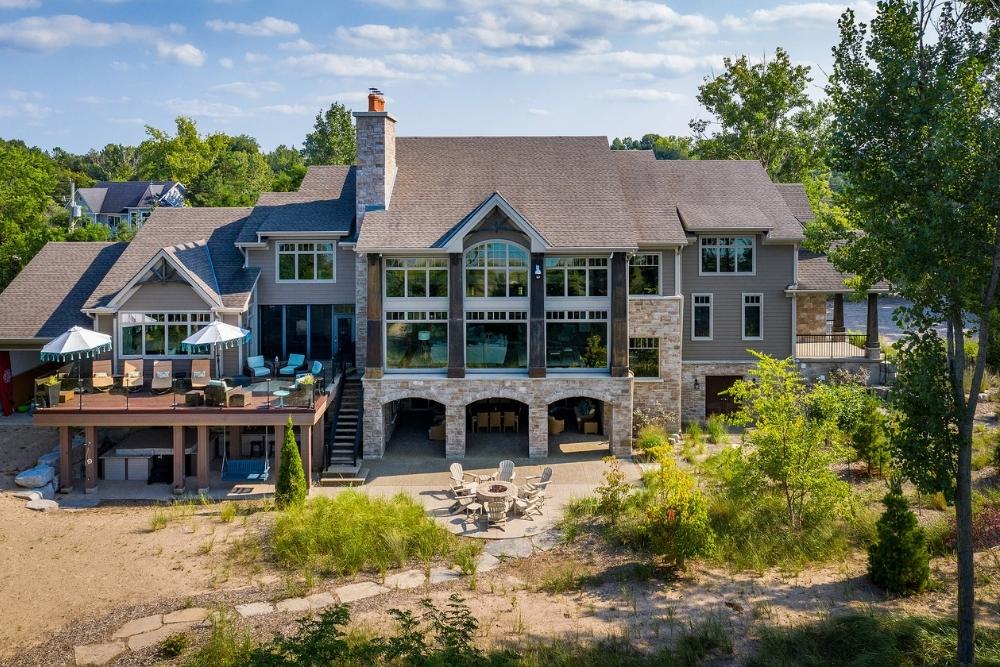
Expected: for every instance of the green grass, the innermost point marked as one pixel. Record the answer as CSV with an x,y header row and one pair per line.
x,y
354,532
716,427
864,639
984,446
226,646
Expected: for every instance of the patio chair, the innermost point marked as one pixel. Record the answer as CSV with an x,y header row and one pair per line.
x,y
163,377
101,378
511,420
294,363
459,486
496,515
495,420
201,373
530,505
536,482
505,472
556,426
316,370
132,379
482,421
258,367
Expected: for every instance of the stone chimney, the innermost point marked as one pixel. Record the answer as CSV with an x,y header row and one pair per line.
x,y
376,154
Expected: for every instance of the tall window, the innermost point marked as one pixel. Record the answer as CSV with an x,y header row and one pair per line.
x,y
496,339
644,357
304,329
644,274
158,334
576,339
306,262
753,316
416,339
496,269
416,277
701,317
727,254
576,276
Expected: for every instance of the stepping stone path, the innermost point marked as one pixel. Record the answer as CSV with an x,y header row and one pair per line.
x,y
254,609
517,547
487,562
139,626
42,505
96,655
360,591
442,575
407,579
547,540
154,637
189,615
320,600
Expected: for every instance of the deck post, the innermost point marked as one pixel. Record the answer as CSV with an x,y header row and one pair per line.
x,y
65,460
279,440
619,315
456,316
872,347
233,446
179,461
90,457
203,479
305,451
318,429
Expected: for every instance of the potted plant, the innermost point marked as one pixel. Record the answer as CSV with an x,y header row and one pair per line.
x,y
53,385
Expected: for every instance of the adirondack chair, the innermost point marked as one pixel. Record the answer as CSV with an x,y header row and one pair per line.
x,y
496,515
505,472
536,482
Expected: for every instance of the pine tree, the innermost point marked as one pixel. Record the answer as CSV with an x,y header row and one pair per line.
x,y
898,561
291,489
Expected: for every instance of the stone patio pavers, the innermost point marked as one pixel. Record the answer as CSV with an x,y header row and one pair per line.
x,y
359,591
320,600
442,575
406,579
517,547
487,562
293,604
97,655
138,626
154,637
254,609
189,615
547,540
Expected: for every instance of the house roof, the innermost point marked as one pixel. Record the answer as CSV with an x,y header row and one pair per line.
x,y
566,188
795,197
647,200
818,274
324,202
210,254
45,298
117,196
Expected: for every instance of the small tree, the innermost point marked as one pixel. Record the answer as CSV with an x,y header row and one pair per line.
x,y
898,561
291,489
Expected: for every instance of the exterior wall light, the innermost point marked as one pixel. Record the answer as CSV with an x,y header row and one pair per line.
x,y
538,271
697,385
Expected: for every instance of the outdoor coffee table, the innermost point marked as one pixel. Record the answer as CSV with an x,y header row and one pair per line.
x,y
280,393
488,492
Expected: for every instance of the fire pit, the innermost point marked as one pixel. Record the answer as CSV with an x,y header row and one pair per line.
x,y
495,491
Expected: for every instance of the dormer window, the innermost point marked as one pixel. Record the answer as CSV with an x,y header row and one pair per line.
x,y
496,269
733,255
308,262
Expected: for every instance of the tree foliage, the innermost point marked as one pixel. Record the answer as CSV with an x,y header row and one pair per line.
x,y
669,147
290,489
288,167
332,140
898,560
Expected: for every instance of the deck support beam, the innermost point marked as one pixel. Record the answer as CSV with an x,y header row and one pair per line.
x,y
203,475
179,459
65,460
456,316
619,315
90,459
838,314
305,451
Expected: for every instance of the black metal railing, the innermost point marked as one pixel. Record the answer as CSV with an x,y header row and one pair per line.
x,y
338,397
830,346
359,433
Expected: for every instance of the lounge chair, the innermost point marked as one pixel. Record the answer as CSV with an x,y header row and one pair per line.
x,y
201,373
505,472
530,505
536,482
556,426
163,377
132,379
459,486
101,377
258,367
496,514
294,363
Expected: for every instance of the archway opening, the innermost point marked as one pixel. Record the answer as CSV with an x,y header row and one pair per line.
x,y
496,428
414,427
579,425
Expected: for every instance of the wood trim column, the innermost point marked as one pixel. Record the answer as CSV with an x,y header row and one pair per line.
x,y
456,316
373,341
233,446
306,452
536,318
65,460
279,440
179,462
619,315
202,465
318,431
872,347
90,459
838,314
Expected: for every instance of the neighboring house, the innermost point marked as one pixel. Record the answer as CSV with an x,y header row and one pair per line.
x,y
524,285
130,202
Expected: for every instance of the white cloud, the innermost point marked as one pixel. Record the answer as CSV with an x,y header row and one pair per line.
x,y
372,35
47,34
120,66
248,89
252,57
409,4
797,14
644,95
185,54
269,26
297,45
612,62
539,112
135,120
288,109
201,108
431,62
104,101
340,65
226,63
19,4
347,97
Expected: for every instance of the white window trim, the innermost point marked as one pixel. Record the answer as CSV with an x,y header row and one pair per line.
x,y
586,269
297,281
645,378
406,280
506,268
659,276
711,315
743,315
120,326
753,256
424,370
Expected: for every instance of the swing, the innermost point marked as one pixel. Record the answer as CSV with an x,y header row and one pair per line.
x,y
249,470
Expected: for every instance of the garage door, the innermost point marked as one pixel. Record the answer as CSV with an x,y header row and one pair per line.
x,y
715,402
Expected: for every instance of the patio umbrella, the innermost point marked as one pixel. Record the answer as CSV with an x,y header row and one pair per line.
x,y
216,336
77,343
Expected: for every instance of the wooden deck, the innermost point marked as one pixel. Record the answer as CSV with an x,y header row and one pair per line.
x,y
829,350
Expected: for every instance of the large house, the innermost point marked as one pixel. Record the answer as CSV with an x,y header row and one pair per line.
x,y
128,203
518,285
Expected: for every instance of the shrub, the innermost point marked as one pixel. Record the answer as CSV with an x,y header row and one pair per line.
x,y
174,645
227,512
651,437
898,561
716,426
868,438
694,437
226,647
290,489
655,416
984,446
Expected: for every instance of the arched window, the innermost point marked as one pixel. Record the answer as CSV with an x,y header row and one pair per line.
x,y
496,269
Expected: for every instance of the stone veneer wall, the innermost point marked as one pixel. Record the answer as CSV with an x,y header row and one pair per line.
x,y
659,317
813,371
537,393
693,400
810,314
361,309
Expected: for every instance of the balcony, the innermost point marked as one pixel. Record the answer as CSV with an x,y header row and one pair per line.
x,y
831,346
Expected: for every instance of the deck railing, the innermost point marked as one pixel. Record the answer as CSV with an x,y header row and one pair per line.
x,y
830,346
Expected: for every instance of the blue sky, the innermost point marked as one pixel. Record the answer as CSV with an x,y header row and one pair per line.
x,y
83,73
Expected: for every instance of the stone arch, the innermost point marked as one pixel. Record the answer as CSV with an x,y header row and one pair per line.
x,y
496,392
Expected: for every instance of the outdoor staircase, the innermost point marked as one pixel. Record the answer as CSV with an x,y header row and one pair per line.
x,y
343,437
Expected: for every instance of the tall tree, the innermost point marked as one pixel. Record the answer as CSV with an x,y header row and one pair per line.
x,y
182,157
761,111
115,162
669,147
236,178
916,134
332,140
288,167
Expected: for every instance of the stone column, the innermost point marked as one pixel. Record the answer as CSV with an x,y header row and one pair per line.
x,y
373,355
872,347
838,314
536,318
65,460
538,430
202,464
619,315
456,316
454,432
318,431
179,484
621,431
90,460
374,424
305,451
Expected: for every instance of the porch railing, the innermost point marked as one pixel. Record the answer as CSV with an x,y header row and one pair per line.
x,y
830,346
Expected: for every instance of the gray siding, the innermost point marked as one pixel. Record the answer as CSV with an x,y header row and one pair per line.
x,y
775,267
272,293
667,262
161,297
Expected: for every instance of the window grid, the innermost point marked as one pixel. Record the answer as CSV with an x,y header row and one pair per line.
x,y
576,276
702,317
309,262
496,269
158,334
416,277
644,357
644,274
732,255
753,317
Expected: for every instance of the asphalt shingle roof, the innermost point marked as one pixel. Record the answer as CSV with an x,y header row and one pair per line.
x,y
797,201
45,298
116,196
324,202
567,188
649,204
210,235
818,274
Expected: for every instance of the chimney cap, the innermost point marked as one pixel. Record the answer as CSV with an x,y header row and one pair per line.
x,y
376,101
